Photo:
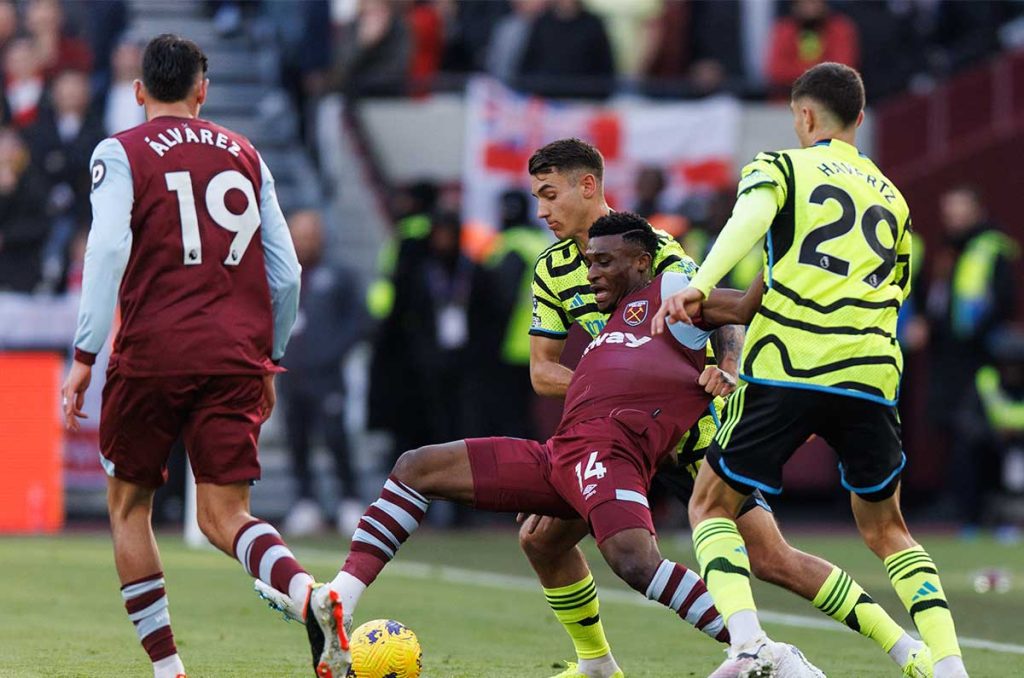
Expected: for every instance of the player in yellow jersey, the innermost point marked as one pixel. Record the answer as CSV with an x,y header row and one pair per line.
x,y
821,358
566,178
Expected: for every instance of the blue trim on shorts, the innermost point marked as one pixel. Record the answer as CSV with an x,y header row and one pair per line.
x,y
746,481
537,332
873,488
815,387
763,503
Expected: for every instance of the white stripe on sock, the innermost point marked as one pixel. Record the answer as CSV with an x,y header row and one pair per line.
x,y
148,625
683,589
272,555
367,538
401,516
699,607
408,493
136,590
384,530
660,579
150,610
245,541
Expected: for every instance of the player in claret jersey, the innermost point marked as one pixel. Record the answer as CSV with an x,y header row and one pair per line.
x,y
629,402
188,237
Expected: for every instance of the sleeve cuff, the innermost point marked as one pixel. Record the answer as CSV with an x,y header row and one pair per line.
x,y
85,357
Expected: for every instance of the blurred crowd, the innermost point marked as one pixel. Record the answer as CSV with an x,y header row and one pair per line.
x,y
67,84
753,48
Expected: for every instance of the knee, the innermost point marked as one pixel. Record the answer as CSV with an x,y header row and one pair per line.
x,y
410,466
539,545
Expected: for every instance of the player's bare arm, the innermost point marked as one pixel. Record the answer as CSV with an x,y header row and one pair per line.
x,y
549,377
732,307
727,342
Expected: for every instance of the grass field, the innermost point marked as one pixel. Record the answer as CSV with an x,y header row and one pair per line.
x,y
469,597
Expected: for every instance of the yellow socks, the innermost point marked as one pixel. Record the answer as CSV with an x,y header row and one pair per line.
x,y
845,601
576,606
916,581
724,565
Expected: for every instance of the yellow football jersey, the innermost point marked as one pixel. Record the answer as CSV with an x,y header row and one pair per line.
x,y
837,269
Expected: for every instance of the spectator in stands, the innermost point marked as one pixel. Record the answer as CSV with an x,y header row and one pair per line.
x,y
500,312
970,297
104,23
331,320
811,35
508,40
469,31
631,27
57,49
23,83
432,291
121,110
62,141
373,52
23,224
390,362
991,437
427,31
568,53
8,22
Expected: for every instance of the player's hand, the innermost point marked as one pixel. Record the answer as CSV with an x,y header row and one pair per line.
x,y
530,521
73,394
717,381
269,396
680,307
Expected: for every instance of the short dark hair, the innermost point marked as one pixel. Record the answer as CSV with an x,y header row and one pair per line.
x,y
170,65
632,227
567,155
835,86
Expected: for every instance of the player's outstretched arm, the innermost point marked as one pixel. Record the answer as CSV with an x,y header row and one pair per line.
x,y
727,306
549,377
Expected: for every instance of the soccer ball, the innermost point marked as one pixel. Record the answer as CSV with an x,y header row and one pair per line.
x,y
384,648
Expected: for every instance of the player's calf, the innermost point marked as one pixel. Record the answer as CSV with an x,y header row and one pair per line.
x,y
633,555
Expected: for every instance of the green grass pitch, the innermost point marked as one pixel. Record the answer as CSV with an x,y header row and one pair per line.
x,y
469,597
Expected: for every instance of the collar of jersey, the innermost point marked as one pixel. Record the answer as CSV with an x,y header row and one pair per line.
x,y
841,146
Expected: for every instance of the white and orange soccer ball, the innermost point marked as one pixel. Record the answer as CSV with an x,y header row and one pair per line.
x,y
384,648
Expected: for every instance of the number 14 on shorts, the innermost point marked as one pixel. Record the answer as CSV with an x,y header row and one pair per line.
x,y
594,469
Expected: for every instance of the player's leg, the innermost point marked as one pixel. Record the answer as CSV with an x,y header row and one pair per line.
x,y
139,424
497,474
550,544
829,588
141,574
223,513
867,440
914,577
625,535
594,466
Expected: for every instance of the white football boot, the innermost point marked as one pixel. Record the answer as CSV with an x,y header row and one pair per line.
x,y
755,660
791,662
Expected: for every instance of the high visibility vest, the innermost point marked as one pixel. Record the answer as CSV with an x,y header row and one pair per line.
x,y
527,243
971,294
1003,412
380,295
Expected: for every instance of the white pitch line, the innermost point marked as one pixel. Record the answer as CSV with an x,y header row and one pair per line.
x,y
509,582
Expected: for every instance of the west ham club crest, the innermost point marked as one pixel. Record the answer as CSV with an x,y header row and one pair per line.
x,y
635,313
